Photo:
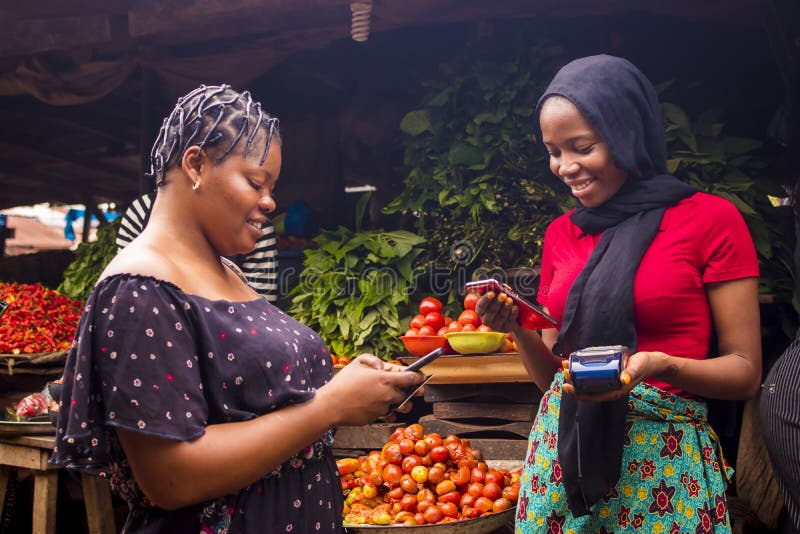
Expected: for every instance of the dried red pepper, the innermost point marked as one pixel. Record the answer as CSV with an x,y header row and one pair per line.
x,y
38,319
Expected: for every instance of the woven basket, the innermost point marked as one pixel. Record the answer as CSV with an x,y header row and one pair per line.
x,y
42,363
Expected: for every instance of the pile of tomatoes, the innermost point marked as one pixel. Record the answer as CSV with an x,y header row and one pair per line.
x,y
37,319
419,479
431,322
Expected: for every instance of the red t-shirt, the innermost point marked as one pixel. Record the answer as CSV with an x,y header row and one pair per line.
x,y
701,239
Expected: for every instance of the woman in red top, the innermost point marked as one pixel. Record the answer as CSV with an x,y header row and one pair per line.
x,y
645,261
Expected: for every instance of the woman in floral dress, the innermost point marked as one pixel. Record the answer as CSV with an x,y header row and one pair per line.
x,y
207,408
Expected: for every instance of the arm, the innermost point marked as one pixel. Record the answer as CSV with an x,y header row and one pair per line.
x,y
499,313
229,456
735,374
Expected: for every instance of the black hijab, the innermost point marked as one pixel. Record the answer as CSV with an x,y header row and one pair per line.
x,y
621,105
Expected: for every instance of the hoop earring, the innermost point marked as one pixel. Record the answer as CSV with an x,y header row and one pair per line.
x,y
196,185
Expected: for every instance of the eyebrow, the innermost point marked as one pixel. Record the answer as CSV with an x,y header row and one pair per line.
x,y
574,138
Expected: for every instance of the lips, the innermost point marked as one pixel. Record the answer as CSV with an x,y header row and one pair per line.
x,y
580,186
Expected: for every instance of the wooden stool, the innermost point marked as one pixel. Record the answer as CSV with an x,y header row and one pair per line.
x,y
33,452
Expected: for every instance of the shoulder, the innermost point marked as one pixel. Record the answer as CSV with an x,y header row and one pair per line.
x,y
562,226
140,259
705,206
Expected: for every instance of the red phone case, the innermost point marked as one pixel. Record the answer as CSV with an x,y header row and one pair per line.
x,y
531,316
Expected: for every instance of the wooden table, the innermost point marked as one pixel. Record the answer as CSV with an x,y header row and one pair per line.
x,y
33,452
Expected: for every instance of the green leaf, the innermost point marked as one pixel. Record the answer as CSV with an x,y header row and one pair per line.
x,y
464,154
675,115
416,122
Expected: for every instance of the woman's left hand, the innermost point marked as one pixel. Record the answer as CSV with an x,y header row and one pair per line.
x,y
637,367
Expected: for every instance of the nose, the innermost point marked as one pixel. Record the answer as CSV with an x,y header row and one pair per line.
x,y
266,203
567,167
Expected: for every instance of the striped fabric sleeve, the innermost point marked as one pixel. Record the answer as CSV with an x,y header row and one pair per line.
x,y
134,220
261,265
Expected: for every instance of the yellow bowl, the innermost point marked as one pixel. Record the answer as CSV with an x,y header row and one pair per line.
x,y
475,342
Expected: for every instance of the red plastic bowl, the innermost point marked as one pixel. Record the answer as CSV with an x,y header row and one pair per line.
x,y
422,345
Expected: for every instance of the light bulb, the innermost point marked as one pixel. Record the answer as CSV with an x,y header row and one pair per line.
x,y
361,10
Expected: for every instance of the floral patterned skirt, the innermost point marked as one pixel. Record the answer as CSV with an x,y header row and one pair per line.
x,y
673,476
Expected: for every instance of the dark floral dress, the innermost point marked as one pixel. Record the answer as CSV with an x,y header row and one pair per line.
x,y
150,358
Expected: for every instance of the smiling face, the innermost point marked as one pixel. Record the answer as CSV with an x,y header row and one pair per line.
x,y
578,155
238,194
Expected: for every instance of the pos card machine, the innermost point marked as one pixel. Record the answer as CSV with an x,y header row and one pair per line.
x,y
597,369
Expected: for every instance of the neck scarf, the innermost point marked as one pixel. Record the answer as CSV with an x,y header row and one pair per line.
x,y
621,105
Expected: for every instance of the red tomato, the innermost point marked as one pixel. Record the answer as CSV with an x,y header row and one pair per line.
x,y
406,446
501,504
491,490
433,440
392,474
430,304
484,328
417,322
467,328
435,320
511,493
447,320
414,432
421,447
449,509
435,475
442,331
439,454
409,485
455,326
470,299
433,514
496,477
482,504
411,332
446,486
427,331
408,502
469,317
410,462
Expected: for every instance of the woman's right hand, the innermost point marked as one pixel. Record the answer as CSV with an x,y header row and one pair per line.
x,y
365,389
497,311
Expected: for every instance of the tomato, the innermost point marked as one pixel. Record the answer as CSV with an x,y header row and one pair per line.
x,y
455,326
392,453
433,439
484,328
419,519
451,496
468,327
467,500
435,474
468,512
430,304
469,317
470,300
397,435
411,332
461,477
452,438
475,489
347,465
446,486
447,320
417,322
369,490
406,446
435,320
496,477
491,490
420,474
381,517
442,331
501,504
410,462
482,504
425,494
439,454
414,432
392,474
408,502
409,485
478,475
394,495
427,331
421,447
449,509
433,514
511,493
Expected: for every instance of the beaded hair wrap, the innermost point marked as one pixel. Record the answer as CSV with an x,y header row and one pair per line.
x,y
208,117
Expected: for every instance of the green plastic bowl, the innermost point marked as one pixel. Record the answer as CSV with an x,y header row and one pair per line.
x,y
475,342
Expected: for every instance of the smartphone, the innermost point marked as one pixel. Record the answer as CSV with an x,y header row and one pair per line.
x,y
597,369
3,307
425,360
531,316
